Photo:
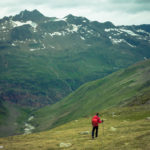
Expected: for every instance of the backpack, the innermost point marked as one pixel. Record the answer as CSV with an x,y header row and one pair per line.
x,y
94,121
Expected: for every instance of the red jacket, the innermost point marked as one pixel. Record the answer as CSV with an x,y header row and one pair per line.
x,y
96,120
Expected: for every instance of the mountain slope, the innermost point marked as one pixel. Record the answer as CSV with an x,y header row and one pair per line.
x,y
13,119
43,59
123,128
121,88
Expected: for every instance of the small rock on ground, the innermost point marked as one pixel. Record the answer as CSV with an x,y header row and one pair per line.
x,y
113,129
85,132
148,118
62,145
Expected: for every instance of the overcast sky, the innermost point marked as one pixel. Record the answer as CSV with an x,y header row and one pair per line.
x,y
120,12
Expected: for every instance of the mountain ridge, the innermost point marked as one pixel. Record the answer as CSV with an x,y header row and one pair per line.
x,y
44,59
60,55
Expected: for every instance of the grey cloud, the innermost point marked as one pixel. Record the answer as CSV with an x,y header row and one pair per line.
x,y
126,6
129,1
95,7
130,6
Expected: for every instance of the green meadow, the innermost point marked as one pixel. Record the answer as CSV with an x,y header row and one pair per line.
x,y
123,128
127,87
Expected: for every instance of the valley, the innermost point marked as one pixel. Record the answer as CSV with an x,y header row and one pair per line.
x,y
56,73
43,59
123,128
127,87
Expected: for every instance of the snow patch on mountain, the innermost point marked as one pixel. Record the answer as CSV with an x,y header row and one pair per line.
x,y
55,34
112,29
118,41
142,31
60,19
73,28
18,23
84,20
30,118
17,41
145,58
130,44
13,44
34,41
51,46
121,30
82,37
3,27
90,31
129,32
62,33
33,49
43,46
70,29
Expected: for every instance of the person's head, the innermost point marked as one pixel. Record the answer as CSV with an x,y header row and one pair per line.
x,y
97,114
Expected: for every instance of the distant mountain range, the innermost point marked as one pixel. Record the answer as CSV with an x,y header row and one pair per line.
x,y
43,59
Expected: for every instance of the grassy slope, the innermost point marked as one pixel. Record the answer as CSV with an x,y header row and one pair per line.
x,y
132,133
28,78
119,87
12,119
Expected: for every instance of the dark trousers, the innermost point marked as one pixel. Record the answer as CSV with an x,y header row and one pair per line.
x,y
93,131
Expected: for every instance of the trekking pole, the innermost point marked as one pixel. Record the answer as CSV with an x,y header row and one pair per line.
x,y
103,127
102,138
101,148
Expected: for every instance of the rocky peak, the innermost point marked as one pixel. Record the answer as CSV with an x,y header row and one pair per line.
x,y
75,19
26,15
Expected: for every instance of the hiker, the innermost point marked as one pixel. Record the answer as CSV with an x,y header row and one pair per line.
x,y
95,121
